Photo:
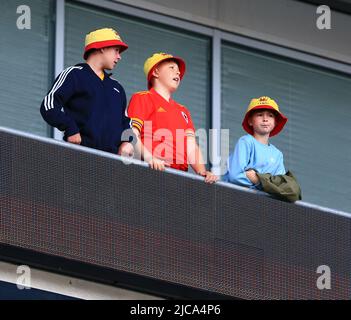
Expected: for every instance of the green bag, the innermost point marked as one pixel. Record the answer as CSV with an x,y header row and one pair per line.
x,y
285,186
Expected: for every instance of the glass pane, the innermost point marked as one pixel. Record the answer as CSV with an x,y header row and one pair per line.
x,y
316,140
145,38
25,63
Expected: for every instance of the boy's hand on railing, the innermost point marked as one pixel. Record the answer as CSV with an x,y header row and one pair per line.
x,y
157,164
126,149
209,177
252,176
75,139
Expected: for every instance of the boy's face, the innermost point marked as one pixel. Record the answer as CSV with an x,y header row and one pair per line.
x,y
110,57
168,75
262,121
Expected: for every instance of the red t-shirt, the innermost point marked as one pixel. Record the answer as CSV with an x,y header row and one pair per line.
x,y
163,126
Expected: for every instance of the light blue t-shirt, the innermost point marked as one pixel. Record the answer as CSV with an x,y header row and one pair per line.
x,y
252,154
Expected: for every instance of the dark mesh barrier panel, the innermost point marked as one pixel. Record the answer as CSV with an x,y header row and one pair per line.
x,y
92,208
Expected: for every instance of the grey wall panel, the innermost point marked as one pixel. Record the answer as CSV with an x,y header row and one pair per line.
x,y
269,20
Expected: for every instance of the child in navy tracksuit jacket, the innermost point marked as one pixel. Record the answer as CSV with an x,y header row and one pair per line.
x,y
86,103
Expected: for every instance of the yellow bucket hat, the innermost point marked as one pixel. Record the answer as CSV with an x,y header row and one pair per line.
x,y
102,38
265,103
152,62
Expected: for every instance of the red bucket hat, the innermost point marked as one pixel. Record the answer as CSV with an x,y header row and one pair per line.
x,y
102,38
265,103
152,62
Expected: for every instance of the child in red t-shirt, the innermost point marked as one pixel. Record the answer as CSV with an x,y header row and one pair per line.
x,y
166,134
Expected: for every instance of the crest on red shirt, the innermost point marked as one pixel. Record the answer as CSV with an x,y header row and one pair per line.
x,y
185,117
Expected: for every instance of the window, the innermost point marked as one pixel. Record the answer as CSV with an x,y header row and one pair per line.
x,y
25,63
316,140
145,38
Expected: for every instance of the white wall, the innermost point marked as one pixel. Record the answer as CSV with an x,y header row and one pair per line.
x,y
69,286
285,22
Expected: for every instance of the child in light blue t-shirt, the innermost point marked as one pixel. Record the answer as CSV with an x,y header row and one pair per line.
x,y
253,152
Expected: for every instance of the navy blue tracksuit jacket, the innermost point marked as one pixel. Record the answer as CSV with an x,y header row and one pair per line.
x,y
79,101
